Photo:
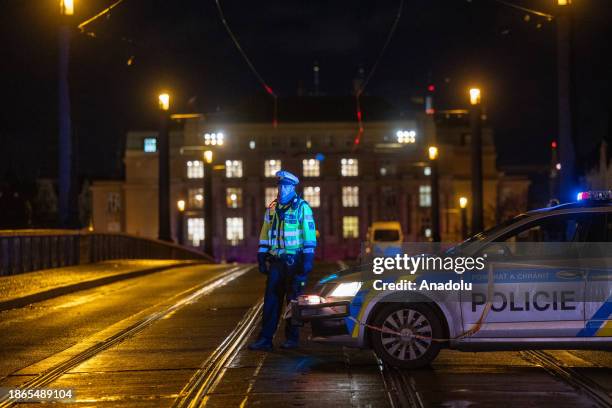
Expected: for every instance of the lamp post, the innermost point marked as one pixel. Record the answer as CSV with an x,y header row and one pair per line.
x,y
208,203
435,194
64,177
476,143
164,170
564,80
463,202
180,221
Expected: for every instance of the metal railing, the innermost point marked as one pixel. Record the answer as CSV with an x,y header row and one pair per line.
x,y
29,250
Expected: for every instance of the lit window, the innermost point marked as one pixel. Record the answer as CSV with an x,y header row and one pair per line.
x,y
252,145
406,136
311,167
313,196
214,139
350,227
349,167
425,196
271,167
233,168
271,193
195,230
427,171
195,169
233,197
350,196
195,198
150,145
383,171
234,230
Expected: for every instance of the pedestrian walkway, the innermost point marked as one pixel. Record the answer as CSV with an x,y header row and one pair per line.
x,y
20,290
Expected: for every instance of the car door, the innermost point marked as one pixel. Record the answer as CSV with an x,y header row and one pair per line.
x,y
538,285
598,297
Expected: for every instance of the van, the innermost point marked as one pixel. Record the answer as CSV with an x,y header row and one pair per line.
x,y
384,238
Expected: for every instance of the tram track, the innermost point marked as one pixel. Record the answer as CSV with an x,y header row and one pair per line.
x,y
191,295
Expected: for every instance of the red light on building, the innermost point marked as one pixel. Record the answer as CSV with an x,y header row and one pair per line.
x,y
431,88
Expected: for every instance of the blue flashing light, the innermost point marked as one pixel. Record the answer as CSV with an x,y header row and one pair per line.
x,y
329,278
320,157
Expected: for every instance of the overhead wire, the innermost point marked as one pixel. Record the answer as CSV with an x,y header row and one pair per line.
x,y
360,90
549,17
100,14
244,55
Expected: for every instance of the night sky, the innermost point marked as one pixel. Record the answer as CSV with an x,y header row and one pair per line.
x,y
181,45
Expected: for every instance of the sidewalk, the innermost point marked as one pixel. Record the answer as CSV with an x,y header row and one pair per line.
x,y
23,289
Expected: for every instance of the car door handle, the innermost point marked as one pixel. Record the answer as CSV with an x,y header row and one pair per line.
x,y
569,274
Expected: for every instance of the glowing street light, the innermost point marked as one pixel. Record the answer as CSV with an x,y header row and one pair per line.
x,y
66,7
435,194
164,101
476,156
463,202
474,96
433,152
564,2
180,221
208,156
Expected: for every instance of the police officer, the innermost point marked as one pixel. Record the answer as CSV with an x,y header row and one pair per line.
x,y
286,252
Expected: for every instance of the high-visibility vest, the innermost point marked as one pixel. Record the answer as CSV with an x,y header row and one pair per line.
x,y
288,229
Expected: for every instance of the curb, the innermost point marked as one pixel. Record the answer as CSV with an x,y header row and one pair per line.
x,y
89,284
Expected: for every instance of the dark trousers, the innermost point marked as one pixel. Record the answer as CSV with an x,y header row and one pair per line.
x,y
281,287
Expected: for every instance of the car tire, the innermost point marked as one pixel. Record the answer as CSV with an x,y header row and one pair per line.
x,y
404,351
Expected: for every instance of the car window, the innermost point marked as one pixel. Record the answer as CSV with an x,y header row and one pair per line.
x,y
554,235
386,235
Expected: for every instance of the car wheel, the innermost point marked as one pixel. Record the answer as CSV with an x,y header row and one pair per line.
x,y
400,322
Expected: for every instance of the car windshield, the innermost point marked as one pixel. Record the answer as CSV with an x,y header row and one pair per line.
x,y
386,235
481,236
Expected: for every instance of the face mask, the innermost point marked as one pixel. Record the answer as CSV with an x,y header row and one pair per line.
x,y
285,193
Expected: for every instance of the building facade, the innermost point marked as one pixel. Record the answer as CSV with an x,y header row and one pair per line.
x,y
349,183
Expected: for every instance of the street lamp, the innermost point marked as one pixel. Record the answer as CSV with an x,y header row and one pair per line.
x,y
476,142
164,101
67,196
67,7
180,221
463,202
208,202
164,169
435,194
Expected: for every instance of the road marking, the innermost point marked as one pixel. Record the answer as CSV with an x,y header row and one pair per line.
x,y
58,370
205,380
568,375
260,364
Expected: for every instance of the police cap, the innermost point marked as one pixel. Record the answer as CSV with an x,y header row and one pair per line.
x,y
285,178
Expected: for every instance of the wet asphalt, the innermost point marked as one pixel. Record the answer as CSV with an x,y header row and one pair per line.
x,y
152,365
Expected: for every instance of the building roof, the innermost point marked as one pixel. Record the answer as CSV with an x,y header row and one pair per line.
x,y
260,109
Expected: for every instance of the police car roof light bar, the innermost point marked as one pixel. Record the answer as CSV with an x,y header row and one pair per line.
x,y
602,195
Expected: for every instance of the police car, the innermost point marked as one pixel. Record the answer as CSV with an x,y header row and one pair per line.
x,y
547,286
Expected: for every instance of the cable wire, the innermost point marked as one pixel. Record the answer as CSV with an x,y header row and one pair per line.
x,y
361,88
244,55
384,48
525,9
100,14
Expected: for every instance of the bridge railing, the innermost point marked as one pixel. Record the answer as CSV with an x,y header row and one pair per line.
x,y
29,250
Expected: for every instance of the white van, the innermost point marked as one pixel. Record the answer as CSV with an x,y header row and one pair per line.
x,y
384,238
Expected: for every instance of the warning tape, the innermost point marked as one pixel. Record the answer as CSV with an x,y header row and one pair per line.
x,y
468,333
